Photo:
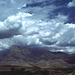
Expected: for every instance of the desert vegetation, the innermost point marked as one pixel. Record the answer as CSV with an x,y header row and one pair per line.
x,y
36,71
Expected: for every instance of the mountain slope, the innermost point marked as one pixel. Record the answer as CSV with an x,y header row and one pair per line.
x,y
37,57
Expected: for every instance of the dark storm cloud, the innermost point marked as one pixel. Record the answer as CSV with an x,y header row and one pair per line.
x,y
66,44
9,33
47,41
38,4
9,27
61,2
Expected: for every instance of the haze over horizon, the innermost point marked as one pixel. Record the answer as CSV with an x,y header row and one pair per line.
x,y
42,23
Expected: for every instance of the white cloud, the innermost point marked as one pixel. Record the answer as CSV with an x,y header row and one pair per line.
x,y
23,29
70,25
71,4
27,31
3,46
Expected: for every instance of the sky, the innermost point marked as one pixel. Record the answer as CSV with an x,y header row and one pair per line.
x,y
46,24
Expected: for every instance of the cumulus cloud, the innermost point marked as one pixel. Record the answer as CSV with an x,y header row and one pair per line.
x,y
37,29
71,4
21,29
3,46
68,38
53,34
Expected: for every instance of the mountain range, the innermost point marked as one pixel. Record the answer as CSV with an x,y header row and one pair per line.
x,y
27,57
